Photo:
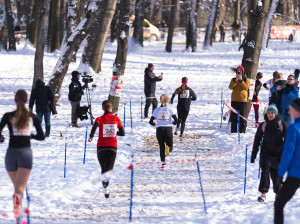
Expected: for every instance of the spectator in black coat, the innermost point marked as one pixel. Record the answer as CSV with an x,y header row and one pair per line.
x,y
149,88
75,93
276,95
271,133
43,98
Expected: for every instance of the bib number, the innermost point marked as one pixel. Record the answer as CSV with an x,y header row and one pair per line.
x,y
163,116
109,130
185,94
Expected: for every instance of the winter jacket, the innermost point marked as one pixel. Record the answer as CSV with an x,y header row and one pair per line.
x,y
289,93
184,99
239,90
42,96
273,141
276,94
257,88
75,90
150,82
290,160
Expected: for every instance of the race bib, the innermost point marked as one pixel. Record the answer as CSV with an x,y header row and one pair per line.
x,y
163,115
110,130
185,94
24,132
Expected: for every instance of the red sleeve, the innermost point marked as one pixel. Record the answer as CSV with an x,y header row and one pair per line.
x,y
119,123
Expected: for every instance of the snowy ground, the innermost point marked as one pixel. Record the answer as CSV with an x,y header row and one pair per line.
x,y
169,196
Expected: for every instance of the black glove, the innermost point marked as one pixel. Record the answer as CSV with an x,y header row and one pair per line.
x,y
171,102
1,138
252,160
174,122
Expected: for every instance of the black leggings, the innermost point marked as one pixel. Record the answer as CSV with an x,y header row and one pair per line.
x,y
287,191
149,101
164,136
106,158
241,107
182,116
266,173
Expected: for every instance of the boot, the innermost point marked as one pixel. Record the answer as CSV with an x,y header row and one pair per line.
x,y
176,131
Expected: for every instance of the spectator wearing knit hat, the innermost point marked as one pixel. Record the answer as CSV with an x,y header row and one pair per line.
x,y
239,86
290,163
271,134
149,88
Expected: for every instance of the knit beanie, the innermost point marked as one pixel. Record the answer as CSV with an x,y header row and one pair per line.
x,y
150,65
272,108
296,104
241,67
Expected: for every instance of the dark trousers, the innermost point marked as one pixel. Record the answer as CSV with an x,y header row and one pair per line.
x,y
266,173
106,158
46,116
241,107
74,115
149,101
289,188
256,107
182,116
164,137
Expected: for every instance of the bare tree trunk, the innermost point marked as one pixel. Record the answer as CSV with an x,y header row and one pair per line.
x,y
156,12
72,21
29,20
209,26
32,29
72,46
3,36
10,26
43,6
114,24
138,32
221,10
171,26
191,34
55,31
266,36
236,21
21,10
94,49
256,24
121,57
198,13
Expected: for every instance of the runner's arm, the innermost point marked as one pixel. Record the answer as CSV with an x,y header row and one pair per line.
x,y
39,131
95,126
151,121
175,119
121,131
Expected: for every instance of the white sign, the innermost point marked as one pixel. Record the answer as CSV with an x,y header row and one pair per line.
x,y
109,130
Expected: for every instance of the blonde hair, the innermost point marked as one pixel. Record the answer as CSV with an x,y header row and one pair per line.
x,y
21,120
164,100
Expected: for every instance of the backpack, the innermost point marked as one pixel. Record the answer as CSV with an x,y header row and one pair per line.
x,y
279,124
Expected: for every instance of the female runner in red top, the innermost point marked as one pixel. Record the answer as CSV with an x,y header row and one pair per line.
x,y
109,127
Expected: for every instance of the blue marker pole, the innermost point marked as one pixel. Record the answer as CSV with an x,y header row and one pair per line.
x,y
85,145
141,109
201,185
124,116
28,204
130,115
65,166
222,107
245,181
238,120
258,176
131,191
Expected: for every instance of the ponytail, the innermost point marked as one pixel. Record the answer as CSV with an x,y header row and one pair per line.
x,y
21,120
181,89
164,100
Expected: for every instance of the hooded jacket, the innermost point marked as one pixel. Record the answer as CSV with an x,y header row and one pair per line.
x,y
42,96
290,160
150,82
75,89
239,89
273,140
275,94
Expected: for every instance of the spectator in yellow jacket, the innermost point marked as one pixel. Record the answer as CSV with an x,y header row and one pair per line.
x,y
239,86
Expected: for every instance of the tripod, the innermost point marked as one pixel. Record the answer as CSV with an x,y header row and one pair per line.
x,y
88,97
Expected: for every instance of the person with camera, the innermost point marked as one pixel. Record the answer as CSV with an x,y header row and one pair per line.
x,y
149,88
43,98
239,86
109,126
75,93
164,134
